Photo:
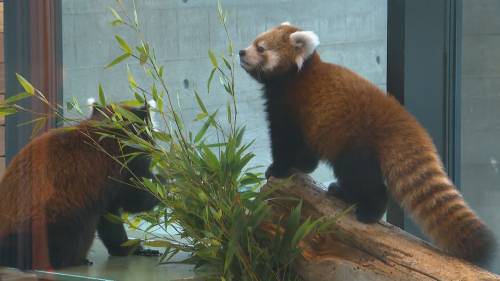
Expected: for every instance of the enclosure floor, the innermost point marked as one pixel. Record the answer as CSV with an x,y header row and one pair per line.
x,y
127,268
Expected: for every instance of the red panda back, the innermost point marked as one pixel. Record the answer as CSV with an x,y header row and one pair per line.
x,y
39,180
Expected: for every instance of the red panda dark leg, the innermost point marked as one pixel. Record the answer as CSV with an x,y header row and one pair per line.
x,y
70,239
15,251
113,235
287,145
306,160
284,145
360,181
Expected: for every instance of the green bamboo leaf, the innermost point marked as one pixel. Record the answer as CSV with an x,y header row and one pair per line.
x,y
230,251
204,128
118,60
158,243
143,53
28,88
123,45
17,97
306,228
76,105
113,218
136,18
331,221
7,110
178,119
134,103
160,71
154,93
131,242
69,106
38,125
209,82
116,15
292,224
230,48
131,79
200,103
31,121
200,116
213,58
162,136
229,114
226,62
128,115
116,22
138,97
143,58
259,215
210,158
239,136
102,98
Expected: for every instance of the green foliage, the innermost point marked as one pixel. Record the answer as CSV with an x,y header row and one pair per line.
x,y
211,206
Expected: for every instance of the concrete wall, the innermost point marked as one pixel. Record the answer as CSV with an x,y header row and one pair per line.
x,y
352,33
481,110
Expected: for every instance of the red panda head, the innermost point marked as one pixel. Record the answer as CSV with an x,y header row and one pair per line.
x,y
278,51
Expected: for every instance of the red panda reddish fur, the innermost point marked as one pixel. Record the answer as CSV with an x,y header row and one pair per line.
x,y
55,191
322,111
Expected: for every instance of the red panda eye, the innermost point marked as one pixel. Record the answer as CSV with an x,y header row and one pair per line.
x,y
260,49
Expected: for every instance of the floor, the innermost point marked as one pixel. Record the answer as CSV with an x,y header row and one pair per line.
x,y
125,268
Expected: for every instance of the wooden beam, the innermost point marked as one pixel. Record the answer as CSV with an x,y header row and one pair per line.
x,y
362,252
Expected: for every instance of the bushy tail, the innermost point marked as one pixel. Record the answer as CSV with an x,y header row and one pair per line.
x,y
416,179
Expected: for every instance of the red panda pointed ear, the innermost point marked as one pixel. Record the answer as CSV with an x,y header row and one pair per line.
x,y
285,23
306,43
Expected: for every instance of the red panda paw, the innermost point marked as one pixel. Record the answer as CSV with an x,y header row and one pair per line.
x,y
335,190
87,262
277,171
146,252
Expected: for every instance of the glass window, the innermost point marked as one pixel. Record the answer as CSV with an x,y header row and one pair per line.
x,y
480,111
352,33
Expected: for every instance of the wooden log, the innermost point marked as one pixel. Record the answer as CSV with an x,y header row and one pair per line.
x,y
354,251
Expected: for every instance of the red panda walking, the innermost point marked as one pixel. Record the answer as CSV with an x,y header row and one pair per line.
x,y
321,111
56,189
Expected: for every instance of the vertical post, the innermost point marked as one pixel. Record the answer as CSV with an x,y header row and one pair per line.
x,y
453,89
396,76
33,48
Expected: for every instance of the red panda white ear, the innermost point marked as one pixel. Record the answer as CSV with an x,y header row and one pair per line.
x,y
90,101
306,43
285,23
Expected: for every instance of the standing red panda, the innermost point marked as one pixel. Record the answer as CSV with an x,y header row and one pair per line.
x,y
56,190
321,111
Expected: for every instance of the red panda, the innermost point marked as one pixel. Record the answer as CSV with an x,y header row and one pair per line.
x,y
56,190
321,111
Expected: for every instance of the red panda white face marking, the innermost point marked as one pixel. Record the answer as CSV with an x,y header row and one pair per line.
x,y
278,51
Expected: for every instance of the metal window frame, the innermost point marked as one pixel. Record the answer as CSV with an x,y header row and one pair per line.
x,y
424,74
